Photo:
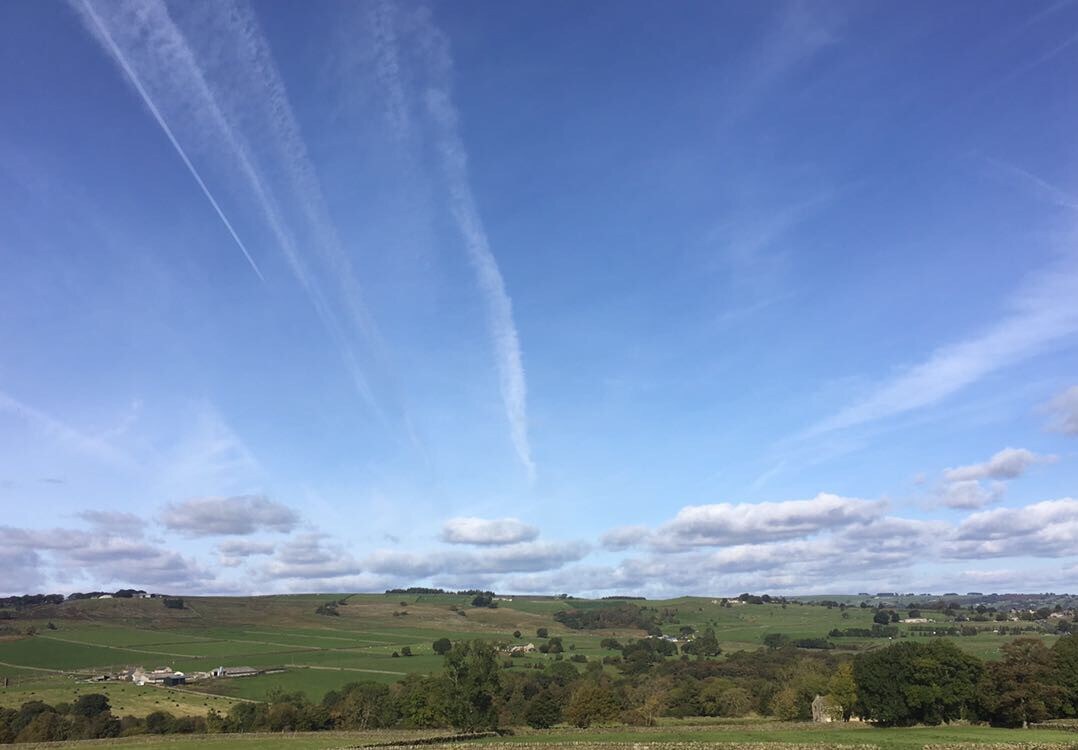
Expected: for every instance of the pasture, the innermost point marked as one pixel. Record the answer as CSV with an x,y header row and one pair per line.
x,y
320,653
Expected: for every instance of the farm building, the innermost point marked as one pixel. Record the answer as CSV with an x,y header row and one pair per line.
x,y
236,672
159,676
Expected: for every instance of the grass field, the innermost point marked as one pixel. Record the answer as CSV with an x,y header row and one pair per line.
x,y
321,653
125,698
672,737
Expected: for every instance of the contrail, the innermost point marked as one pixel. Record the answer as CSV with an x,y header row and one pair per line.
x,y
257,63
93,446
499,306
122,60
175,68
433,53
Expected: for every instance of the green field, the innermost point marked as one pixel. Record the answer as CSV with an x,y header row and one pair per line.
x,y
321,653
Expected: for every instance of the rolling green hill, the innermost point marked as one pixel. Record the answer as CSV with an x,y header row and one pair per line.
x,y
365,640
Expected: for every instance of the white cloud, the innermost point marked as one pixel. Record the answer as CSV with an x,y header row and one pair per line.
x,y
311,556
1045,529
483,531
977,485
1064,411
970,494
1008,463
513,558
235,552
114,521
624,537
244,548
731,524
23,570
239,515
101,557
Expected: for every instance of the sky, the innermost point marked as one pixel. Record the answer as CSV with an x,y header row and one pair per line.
x,y
541,297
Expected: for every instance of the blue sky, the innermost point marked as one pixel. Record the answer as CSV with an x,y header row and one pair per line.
x,y
543,297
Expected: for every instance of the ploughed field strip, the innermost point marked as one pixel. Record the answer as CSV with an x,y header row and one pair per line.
x,y
774,736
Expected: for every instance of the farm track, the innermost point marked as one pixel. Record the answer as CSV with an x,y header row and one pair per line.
x,y
348,669
327,637
185,691
115,648
34,669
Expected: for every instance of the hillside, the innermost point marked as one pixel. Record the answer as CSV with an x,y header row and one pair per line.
x,y
370,636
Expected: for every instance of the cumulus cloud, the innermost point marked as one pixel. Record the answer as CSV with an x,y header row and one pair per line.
x,y
738,523
483,531
624,537
1008,463
970,494
514,558
162,568
244,548
101,557
112,520
234,552
237,515
976,485
1044,529
1064,412
22,570
311,556
800,546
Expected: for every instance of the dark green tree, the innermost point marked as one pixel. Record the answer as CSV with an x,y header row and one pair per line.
x,y
544,710
705,644
592,703
1021,688
362,705
422,701
1065,671
472,680
911,683
442,646
90,705
775,640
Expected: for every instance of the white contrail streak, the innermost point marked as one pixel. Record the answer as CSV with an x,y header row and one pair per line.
x,y
437,67
499,307
122,60
258,65
173,68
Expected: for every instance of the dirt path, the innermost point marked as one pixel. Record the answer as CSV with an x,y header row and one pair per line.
x,y
115,648
34,669
348,669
